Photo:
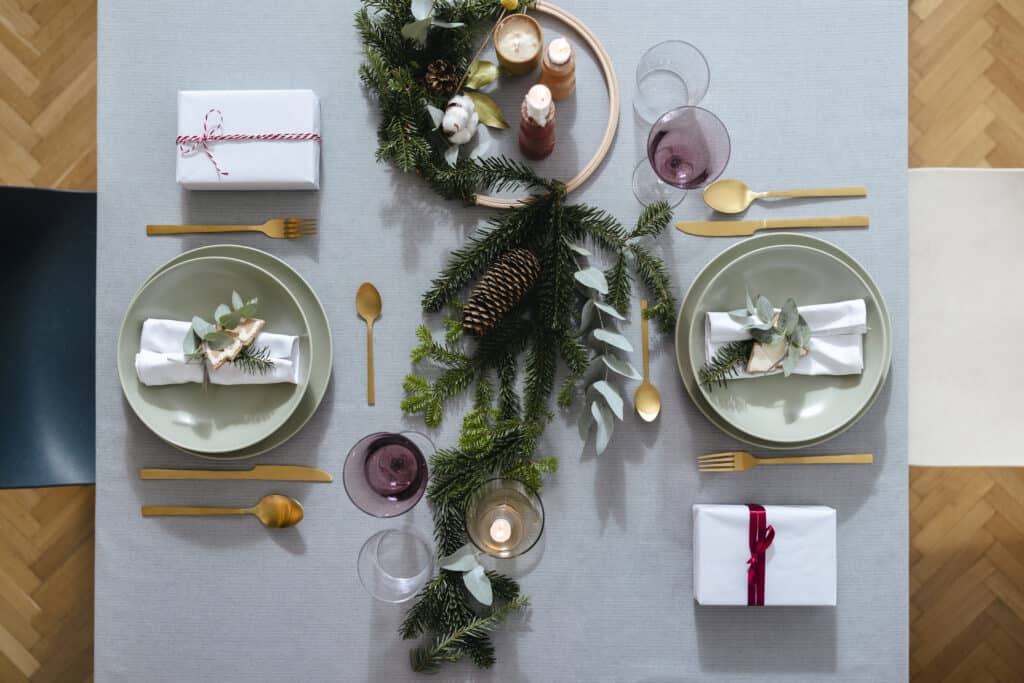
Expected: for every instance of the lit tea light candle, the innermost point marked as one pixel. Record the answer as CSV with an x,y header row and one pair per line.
x,y
517,42
558,69
504,518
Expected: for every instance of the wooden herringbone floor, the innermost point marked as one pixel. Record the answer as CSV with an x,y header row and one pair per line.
x,y
967,525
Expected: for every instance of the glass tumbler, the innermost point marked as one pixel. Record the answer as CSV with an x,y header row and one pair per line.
x,y
395,564
670,74
687,148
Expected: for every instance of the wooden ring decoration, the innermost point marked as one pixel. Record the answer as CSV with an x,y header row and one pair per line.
x,y
605,62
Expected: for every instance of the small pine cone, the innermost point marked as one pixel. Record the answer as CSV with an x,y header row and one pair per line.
x,y
499,290
441,77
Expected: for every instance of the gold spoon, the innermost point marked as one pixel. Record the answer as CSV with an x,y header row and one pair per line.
x,y
274,511
647,399
733,196
368,305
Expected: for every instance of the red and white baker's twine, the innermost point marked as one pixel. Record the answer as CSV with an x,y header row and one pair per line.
x,y
190,144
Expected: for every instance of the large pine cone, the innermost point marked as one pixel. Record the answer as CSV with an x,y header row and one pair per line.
x,y
441,77
500,289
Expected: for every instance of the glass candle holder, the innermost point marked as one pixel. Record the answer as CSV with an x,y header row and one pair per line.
x,y
395,564
504,518
385,473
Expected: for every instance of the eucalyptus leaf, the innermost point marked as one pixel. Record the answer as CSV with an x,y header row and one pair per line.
x,y
481,72
221,311
610,310
577,248
218,340
451,155
765,337
249,309
605,426
422,9
790,361
479,585
236,300
802,334
613,339
483,143
417,31
230,320
587,316
765,311
621,367
436,115
789,317
593,278
751,310
462,560
487,109
190,345
610,395
201,327
740,315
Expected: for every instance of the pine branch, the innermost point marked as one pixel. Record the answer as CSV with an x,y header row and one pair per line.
x,y
726,364
653,272
450,646
254,361
653,220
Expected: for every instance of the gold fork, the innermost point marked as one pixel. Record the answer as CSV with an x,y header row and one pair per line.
x,y
741,461
278,228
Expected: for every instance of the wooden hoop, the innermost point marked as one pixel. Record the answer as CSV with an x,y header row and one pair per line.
x,y
611,81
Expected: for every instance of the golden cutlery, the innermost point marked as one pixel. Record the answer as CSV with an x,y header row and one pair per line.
x,y
741,461
278,228
743,228
368,305
647,399
257,473
274,511
733,196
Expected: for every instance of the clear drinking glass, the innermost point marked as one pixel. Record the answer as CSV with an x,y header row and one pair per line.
x,y
687,148
670,74
395,564
385,473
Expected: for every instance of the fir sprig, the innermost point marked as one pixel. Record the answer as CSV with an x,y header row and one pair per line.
x,y
726,364
254,361
451,646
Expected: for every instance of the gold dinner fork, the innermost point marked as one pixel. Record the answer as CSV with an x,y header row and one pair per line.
x,y
278,228
741,461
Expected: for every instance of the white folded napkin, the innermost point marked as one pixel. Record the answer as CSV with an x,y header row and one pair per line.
x,y
161,358
837,338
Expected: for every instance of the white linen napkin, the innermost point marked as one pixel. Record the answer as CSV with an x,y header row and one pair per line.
x,y
837,338
161,358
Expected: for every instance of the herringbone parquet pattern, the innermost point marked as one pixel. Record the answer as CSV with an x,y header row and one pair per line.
x,y
967,83
967,525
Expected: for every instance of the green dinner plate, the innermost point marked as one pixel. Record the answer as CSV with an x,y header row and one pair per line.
x,y
321,358
213,419
776,412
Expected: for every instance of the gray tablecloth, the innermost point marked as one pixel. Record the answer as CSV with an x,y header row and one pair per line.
x,y
814,94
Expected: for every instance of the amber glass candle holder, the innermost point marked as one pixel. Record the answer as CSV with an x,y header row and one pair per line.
x,y
518,43
504,518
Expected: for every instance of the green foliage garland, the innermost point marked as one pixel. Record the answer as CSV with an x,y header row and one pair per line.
x,y
511,370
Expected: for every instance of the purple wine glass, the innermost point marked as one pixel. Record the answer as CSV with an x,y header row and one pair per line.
x,y
687,148
385,473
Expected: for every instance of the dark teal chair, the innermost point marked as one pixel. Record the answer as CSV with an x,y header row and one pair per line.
x,y
48,359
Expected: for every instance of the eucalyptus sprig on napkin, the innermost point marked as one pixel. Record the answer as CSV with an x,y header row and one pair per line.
x,y
231,339
779,340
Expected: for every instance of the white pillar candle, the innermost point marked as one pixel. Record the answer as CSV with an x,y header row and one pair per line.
x,y
559,51
538,104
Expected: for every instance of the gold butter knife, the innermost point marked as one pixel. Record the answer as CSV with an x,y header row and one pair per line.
x,y
257,473
742,228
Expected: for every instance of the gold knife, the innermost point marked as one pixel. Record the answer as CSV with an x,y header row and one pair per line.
x,y
741,228
257,473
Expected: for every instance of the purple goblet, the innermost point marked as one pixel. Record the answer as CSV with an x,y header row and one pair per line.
x,y
385,474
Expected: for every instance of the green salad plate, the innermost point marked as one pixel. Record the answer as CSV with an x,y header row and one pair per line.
x,y
321,357
776,412
214,419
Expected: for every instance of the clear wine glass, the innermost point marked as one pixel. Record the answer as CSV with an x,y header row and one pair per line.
x,y
669,75
395,564
385,473
687,148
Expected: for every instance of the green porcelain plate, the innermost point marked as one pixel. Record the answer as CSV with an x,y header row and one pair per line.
x,y
215,419
775,412
321,358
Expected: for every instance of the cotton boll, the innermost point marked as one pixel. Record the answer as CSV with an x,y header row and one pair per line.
x,y
460,120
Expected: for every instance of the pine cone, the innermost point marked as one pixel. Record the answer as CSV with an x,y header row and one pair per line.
x,y
441,77
499,290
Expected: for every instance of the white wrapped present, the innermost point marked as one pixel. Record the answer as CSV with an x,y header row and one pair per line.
x,y
248,140
764,555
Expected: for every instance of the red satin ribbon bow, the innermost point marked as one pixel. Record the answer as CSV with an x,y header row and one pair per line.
x,y
761,537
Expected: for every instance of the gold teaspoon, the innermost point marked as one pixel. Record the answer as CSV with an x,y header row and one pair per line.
x,y
647,399
733,196
274,511
368,305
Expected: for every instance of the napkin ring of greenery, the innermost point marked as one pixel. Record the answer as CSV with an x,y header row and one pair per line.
x,y
203,335
510,371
